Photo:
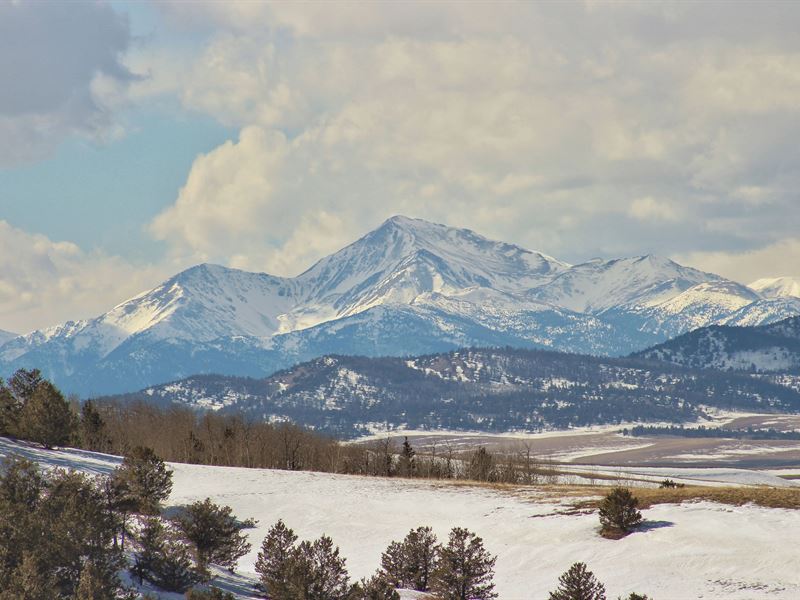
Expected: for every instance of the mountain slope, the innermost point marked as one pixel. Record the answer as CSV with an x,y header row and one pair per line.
x,y
407,287
600,285
486,390
6,336
764,349
777,287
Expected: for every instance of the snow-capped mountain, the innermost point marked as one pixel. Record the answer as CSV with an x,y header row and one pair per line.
x,y
601,285
6,336
777,287
408,287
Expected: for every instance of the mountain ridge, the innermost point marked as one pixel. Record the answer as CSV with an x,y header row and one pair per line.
x,y
473,389
409,286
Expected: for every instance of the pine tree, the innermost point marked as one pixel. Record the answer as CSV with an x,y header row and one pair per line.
x,y
393,564
9,411
79,530
410,564
46,417
142,481
274,560
407,466
163,559
481,465
212,593
618,512
578,583
92,428
317,572
96,583
32,580
215,534
376,587
465,570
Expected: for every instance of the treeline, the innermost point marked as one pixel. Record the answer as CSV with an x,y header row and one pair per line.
x,y
711,432
35,410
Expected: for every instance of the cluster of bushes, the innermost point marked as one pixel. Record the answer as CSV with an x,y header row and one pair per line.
x,y
64,534
459,570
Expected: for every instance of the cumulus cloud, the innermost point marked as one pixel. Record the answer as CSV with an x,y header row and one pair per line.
x,y
60,73
579,129
775,260
44,282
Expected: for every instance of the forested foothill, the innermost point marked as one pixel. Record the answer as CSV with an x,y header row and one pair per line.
x,y
489,390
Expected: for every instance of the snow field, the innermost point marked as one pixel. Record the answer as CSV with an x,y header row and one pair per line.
x,y
694,550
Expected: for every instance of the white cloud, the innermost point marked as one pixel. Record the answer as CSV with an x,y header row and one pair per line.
x,y
650,209
579,129
775,260
44,282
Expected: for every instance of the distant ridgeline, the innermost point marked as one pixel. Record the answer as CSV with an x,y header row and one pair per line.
x,y
711,432
489,390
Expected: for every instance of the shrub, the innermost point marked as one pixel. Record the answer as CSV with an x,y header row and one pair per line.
x,y
215,534
618,513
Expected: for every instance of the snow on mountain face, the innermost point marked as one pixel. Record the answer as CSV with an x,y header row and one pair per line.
x,y
407,287
600,285
406,257
763,312
700,305
777,287
5,336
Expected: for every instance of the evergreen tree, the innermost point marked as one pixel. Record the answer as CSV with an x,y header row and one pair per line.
x,y
9,411
275,559
79,530
578,583
92,428
143,481
96,584
635,596
51,528
212,593
215,534
376,587
407,466
317,572
21,488
481,465
163,559
410,564
465,570
618,512
32,580
46,417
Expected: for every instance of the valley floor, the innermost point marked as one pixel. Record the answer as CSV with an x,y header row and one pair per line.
x,y
692,550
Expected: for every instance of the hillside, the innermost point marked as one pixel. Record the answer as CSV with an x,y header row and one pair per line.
x,y
408,287
691,550
486,390
773,348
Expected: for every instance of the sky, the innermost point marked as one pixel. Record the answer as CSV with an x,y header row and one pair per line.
x,y
137,139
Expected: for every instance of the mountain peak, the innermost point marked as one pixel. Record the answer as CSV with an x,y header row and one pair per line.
x,y
777,287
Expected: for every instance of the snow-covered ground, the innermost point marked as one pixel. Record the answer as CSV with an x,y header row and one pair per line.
x,y
694,550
